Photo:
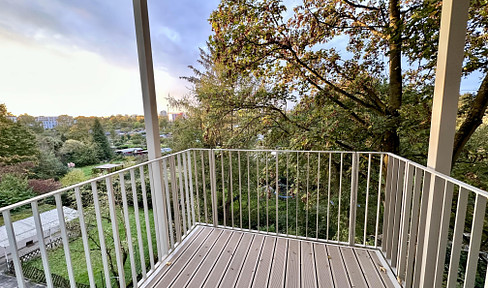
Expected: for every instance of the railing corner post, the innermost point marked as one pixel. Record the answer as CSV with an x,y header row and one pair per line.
x,y
353,200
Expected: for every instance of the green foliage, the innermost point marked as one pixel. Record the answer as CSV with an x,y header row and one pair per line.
x,y
104,152
30,122
74,176
79,153
17,143
49,166
14,189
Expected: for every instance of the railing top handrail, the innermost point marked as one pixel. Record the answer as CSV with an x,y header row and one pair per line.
x,y
287,151
441,175
53,193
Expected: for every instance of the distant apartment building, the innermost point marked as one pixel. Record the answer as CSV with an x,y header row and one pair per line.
x,y
172,116
12,118
48,122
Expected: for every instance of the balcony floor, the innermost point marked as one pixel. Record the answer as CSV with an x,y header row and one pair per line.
x,y
215,257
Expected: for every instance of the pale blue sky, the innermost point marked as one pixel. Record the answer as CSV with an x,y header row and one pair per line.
x,y
80,58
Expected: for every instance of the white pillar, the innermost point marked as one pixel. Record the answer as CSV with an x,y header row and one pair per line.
x,y
452,37
150,113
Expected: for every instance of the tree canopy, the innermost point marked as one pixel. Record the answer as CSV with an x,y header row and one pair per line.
x,y
342,61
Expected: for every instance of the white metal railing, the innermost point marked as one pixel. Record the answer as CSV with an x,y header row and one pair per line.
x,y
368,199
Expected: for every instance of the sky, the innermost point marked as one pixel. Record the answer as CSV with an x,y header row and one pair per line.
x,y
80,57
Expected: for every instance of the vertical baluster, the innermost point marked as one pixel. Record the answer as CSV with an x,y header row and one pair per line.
x,y
248,191
196,185
277,191
340,197
204,184
84,236
386,208
192,198
182,195
287,190
421,231
174,193
443,235
378,204
414,227
307,205
101,236
65,239
115,231
328,196
353,200
138,223
155,211
268,190
12,242
213,185
457,240
223,186
128,232
405,222
475,240
240,188
187,192
257,186
168,203
318,198
391,207
42,245
231,190
365,228
297,195
398,211
146,217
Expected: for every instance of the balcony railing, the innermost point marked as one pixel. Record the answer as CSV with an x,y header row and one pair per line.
x,y
367,199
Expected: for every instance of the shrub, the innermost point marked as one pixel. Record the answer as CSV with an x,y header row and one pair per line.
x,y
43,186
14,189
75,176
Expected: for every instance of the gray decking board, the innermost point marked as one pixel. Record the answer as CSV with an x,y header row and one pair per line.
x,y
309,278
221,266
369,270
339,272
324,274
352,266
217,257
237,262
277,273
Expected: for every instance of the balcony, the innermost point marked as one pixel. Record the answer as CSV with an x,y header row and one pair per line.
x,y
261,218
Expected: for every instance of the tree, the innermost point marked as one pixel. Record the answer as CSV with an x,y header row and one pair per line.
x,y
30,122
104,152
17,143
296,53
13,189
79,153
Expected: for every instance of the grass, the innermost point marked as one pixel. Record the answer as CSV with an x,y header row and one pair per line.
x,y
57,261
87,170
26,212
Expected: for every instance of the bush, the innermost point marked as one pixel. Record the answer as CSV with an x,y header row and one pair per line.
x,y
40,187
79,153
75,176
14,189
50,166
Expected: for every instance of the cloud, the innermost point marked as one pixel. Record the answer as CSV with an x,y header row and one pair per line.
x,y
90,46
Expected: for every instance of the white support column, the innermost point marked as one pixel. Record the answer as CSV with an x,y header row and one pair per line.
x,y
150,112
452,37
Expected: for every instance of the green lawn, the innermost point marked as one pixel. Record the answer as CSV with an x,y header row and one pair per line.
x,y
57,261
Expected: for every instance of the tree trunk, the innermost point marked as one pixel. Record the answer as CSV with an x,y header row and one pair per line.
x,y
473,119
392,140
